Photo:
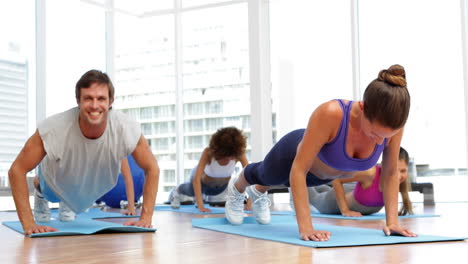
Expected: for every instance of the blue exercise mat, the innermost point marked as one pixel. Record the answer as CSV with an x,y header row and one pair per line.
x,y
376,216
95,213
80,227
284,229
191,209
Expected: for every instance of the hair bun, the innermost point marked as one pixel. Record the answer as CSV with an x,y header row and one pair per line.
x,y
395,75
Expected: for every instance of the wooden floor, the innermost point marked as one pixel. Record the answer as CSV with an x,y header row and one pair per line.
x,y
177,242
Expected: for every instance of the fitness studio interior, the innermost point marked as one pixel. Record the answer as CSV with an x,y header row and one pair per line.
x,y
184,104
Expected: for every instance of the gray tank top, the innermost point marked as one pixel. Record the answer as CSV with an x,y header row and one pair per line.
x,y
78,169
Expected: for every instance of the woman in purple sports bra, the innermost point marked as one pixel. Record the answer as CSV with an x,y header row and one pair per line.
x,y
342,138
365,197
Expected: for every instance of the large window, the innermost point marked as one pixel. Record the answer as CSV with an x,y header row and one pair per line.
x,y
75,43
183,71
310,58
17,76
215,74
424,37
211,44
145,78
312,63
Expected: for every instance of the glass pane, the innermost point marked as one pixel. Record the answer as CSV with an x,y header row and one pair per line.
x,y
430,51
215,75
140,7
17,81
98,2
310,58
192,3
145,84
74,45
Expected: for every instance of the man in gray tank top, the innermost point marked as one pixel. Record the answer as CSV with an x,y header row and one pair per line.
x,y
79,153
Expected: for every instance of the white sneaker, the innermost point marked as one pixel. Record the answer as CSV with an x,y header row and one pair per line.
x,y
260,205
41,208
175,202
65,213
234,208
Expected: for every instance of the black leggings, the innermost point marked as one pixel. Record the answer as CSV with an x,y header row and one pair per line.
x,y
276,167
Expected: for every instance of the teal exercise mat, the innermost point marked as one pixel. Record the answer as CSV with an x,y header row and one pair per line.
x,y
284,229
191,209
376,216
80,227
95,213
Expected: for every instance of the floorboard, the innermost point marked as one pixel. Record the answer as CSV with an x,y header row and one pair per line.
x,y
177,242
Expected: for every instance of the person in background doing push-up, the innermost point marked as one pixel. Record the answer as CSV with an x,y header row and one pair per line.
x,y
213,172
364,198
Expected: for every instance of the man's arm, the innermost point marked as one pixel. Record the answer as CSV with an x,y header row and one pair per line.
x,y
29,157
145,160
129,190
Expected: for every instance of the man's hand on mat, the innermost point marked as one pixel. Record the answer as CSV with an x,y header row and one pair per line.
x,y
394,230
204,210
140,223
315,235
34,229
351,214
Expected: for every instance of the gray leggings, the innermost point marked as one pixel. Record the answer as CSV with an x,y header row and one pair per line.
x,y
324,199
187,188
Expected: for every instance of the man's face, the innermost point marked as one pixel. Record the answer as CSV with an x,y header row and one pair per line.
x,y
94,104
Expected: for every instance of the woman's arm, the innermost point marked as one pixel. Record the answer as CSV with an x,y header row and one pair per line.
x,y
322,127
204,159
340,193
390,186
243,160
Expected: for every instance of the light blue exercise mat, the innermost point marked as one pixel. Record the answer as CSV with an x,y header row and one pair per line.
x,y
284,229
95,213
80,227
376,216
191,209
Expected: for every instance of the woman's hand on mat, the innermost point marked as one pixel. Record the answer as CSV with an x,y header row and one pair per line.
x,y
204,210
351,214
140,223
315,235
248,205
395,230
34,229
130,212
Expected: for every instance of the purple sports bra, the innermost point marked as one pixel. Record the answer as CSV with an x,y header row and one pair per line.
x,y
334,153
371,196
